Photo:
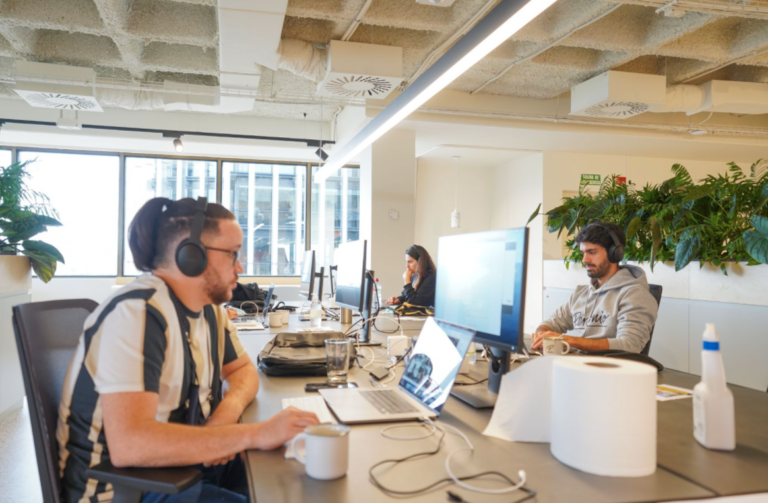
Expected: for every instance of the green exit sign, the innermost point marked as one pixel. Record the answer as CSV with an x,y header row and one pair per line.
x,y
590,180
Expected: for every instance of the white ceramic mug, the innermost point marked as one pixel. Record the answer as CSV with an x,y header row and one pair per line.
x,y
275,319
285,316
555,346
326,450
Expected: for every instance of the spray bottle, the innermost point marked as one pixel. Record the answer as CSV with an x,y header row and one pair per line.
x,y
713,415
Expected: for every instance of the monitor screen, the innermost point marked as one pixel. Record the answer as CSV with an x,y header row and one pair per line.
x,y
435,361
481,284
306,286
350,275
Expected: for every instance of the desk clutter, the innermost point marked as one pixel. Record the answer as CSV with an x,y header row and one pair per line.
x,y
296,354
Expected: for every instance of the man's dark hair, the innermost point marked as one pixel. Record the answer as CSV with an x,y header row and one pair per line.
x,y
597,233
161,223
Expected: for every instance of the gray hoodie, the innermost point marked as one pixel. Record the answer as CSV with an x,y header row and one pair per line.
x,y
622,311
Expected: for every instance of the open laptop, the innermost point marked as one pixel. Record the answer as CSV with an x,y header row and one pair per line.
x,y
252,322
424,387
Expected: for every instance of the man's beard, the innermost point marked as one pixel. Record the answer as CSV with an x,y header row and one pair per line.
x,y
218,291
600,270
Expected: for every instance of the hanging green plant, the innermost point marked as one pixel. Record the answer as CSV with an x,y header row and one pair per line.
x,y
24,213
721,219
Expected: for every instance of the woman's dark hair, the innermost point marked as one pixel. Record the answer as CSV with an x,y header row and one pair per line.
x,y
426,265
597,233
162,223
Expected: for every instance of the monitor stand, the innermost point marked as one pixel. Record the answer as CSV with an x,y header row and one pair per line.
x,y
364,339
481,397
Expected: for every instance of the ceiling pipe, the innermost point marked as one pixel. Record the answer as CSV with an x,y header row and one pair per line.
x,y
548,47
351,30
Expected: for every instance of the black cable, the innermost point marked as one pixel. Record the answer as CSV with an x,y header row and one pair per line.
x,y
434,485
470,383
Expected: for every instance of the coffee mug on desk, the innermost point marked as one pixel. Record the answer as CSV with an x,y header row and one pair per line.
x,y
285,316
275,319
555,346
326,450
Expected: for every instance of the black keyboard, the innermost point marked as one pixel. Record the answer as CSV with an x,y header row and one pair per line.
x,y
388,401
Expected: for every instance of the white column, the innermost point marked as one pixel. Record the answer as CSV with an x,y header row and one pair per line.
x,y
321,237
273,238
251,209
388,182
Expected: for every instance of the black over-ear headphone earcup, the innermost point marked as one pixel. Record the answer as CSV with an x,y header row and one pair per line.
x,y
191,258
618,252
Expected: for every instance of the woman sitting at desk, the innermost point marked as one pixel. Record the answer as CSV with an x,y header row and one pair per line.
x,y
419,277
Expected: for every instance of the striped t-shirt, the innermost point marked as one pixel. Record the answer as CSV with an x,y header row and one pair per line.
x,y
134,342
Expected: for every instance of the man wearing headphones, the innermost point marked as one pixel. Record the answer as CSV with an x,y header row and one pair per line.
x,y
144,388
616,310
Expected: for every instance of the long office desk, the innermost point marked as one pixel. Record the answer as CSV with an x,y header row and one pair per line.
x,y
686,470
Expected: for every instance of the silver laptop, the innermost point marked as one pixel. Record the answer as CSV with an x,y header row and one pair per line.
x,y
424,387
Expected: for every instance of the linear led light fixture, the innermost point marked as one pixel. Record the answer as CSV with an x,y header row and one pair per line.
x,y
502,22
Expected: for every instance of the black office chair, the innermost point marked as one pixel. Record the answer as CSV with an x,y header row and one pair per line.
x,y
656,291
47,334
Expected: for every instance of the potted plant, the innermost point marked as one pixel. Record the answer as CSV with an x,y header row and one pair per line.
x,y
721,219
24,213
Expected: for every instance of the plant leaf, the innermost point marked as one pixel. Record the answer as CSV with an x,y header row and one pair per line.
x,y
44,267
656,235
687,248
43,249
634,226
756,241
698,192
534,215
763,199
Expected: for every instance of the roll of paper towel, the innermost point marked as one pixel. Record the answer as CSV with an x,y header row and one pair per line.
x,y
604,416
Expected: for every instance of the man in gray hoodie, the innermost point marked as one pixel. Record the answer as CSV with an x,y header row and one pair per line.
x,y
616,310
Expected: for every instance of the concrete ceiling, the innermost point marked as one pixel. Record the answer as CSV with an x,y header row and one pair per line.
x,y
154,40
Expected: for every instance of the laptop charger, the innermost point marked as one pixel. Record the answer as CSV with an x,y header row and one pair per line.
x,y
378,372
396,345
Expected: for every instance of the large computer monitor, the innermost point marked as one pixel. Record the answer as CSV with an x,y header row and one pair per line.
x,y
353,282
481,286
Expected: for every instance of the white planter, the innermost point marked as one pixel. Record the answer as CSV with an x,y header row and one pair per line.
x,y
15,285
747,285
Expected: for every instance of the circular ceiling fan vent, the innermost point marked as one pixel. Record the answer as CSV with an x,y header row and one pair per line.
x,y
617,109
62,101
358,86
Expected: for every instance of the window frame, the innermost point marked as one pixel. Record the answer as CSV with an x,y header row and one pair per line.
x,y
122,244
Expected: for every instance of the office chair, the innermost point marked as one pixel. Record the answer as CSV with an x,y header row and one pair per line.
x,y
643,357
47,334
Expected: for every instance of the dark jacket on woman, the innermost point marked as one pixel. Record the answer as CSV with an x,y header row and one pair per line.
x,y
424,296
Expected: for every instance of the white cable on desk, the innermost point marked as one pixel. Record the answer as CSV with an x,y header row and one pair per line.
x,y
469,487
424,422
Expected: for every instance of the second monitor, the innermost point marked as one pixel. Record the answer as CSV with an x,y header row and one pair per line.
x,y
310,277
481,286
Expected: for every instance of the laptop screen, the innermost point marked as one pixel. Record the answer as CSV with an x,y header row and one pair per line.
x,y
435,362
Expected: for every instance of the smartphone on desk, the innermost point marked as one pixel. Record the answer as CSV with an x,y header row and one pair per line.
x,y
317,386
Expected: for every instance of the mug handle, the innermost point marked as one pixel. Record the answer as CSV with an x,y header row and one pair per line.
x,y
567,347
300,459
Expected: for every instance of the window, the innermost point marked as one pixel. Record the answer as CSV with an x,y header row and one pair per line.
x,y
335,212
269,203
148,177
88,236
5,158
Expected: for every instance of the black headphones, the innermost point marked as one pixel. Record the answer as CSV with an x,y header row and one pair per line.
x,y
191,257
616,250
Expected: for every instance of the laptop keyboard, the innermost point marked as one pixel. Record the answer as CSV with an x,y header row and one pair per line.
x,y
388,401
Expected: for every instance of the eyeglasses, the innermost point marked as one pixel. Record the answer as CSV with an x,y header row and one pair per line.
x,y
233,254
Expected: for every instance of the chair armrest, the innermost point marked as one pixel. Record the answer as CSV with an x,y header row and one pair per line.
x,y
159,480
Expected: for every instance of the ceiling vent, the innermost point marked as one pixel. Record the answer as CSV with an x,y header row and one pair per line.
x,y
72,90
618,95
362,70
437,3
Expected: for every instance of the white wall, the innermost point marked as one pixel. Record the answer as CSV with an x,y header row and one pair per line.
x,y
388,182
562,171
435,198
518,187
